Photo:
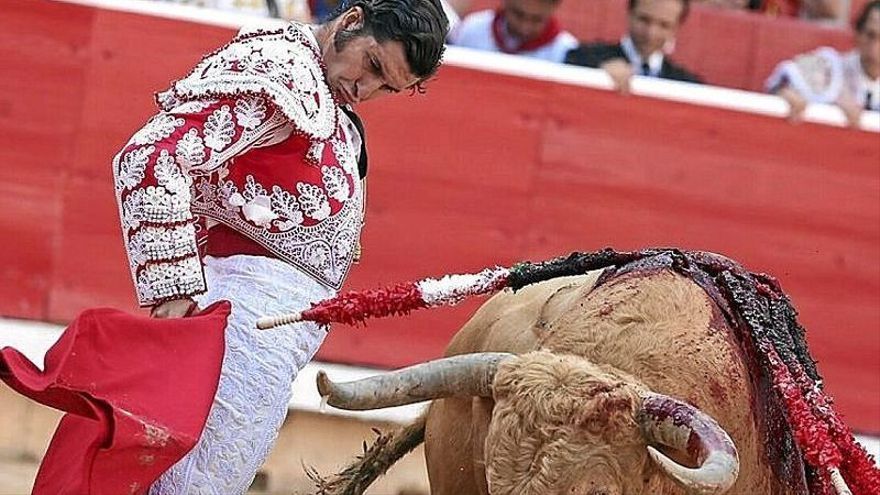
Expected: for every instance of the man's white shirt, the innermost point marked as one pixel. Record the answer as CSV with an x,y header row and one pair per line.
x,y
655,60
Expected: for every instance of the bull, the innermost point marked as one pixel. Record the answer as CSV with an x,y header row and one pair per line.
x,y
624,381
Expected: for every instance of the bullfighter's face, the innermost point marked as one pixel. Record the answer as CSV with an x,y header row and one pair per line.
x,y
359,68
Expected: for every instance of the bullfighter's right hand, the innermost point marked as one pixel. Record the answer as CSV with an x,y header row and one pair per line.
x,y
175,308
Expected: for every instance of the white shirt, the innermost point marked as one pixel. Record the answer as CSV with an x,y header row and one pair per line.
x,y
825,76
451,14
655,60
475,31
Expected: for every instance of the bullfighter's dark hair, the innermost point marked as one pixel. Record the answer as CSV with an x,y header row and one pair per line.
x,y
420,25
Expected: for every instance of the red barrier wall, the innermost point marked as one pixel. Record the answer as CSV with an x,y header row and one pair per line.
x,y
727,48
484,169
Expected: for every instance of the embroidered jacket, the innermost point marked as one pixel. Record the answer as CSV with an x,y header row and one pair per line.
x,y
251,139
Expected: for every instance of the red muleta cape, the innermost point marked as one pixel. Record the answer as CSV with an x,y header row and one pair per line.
x,y
136,390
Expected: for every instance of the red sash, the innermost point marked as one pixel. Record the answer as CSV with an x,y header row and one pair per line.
x,y
551,31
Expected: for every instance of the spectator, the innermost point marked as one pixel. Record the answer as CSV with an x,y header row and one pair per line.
x,y
321,10
830,10
460,6
523,27
295,10
653,25
849,80
453,10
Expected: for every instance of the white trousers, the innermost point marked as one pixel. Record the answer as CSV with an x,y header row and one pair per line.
x,y
259,367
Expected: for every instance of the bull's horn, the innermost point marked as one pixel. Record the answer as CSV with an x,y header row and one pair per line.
x,y
464,375
670,422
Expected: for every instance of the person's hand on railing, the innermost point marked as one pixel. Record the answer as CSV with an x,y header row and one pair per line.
x,y
797,104
621,73
851,110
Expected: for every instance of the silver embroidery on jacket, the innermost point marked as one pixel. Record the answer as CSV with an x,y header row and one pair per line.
x,y
282,64
190,178
273,217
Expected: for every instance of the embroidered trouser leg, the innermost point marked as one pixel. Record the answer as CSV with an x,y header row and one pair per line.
x,y
258,369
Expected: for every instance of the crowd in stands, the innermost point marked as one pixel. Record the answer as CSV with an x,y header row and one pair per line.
x,y
850,80
643,50
286,9
831,11
531,28
297,10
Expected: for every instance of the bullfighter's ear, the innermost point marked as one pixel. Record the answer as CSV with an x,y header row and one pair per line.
x,y
352,20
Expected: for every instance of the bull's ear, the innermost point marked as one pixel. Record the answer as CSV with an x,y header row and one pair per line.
x,y
462,376
672,423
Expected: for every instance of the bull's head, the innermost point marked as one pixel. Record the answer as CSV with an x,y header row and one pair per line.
x,y
562,424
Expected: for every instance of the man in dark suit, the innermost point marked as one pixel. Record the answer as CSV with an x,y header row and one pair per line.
x,y
653,25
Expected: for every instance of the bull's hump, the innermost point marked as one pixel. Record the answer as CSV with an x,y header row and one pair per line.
x,y
641,308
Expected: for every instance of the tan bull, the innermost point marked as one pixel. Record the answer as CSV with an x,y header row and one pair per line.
x,y
589,390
